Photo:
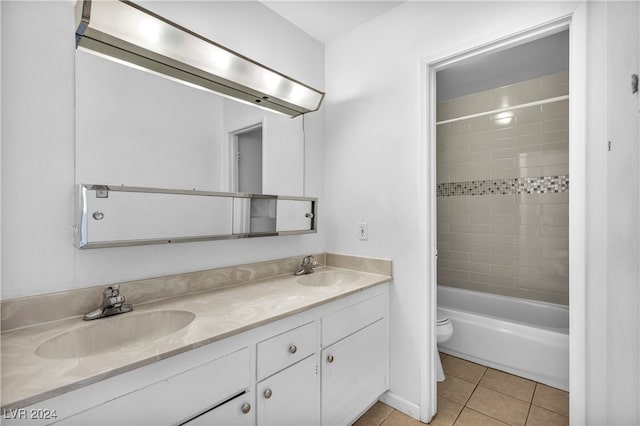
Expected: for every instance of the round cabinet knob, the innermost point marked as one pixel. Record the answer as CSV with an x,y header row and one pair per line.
x,y
293,349
246,407
330,358
98,215
268,393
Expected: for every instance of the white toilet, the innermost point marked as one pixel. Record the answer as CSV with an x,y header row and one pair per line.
x,y
444,330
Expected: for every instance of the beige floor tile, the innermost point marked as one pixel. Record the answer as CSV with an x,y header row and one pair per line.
x,y
552,399
375,415
540,417
470,417
398,418
455,389
499,406
442,355
463,369
448,412
508,384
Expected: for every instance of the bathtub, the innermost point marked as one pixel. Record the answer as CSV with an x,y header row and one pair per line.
x,y
523,337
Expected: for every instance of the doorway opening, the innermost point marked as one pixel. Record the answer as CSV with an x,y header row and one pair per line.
x,y
246,160
479,180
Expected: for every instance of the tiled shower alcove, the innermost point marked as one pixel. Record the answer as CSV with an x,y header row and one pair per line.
x,y
503,182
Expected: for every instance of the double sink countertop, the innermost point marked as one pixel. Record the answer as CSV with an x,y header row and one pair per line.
x,y
28,378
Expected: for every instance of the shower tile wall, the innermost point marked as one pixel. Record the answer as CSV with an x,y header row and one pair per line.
x,y
503,199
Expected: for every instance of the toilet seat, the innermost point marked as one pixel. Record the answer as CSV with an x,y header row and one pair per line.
x,y
443,321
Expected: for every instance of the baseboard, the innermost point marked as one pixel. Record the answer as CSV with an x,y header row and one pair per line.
x,y
401,404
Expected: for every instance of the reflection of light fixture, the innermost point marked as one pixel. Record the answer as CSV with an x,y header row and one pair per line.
x,y
130,33
150,30
503,118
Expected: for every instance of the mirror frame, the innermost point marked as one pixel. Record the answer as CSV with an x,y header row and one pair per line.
x,y
82,216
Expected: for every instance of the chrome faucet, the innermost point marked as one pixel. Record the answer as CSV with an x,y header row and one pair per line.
x,y
112,304
306,266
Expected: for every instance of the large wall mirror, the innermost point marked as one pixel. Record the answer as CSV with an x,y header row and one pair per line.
x,y
181,163
136,128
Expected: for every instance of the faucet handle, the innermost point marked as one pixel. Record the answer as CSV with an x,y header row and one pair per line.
x,y
116,301
111,291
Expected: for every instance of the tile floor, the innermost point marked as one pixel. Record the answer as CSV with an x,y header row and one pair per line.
x,y
474,395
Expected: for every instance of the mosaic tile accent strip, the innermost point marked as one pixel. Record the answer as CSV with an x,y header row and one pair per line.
x,y
526,185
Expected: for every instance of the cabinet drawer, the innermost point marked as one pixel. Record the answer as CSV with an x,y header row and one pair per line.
x,y
176,398
340,324
282,350
237,412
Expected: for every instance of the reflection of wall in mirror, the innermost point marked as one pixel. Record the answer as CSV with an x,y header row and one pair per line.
x,y
135,128
139,129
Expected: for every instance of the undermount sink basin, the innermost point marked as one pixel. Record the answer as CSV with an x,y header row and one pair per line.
x,y
113,333
327,278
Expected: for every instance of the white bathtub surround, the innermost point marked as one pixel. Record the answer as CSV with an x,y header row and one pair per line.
x,y
523,337
503,183
513,245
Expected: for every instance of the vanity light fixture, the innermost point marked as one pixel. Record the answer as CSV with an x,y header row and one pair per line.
x,y
129,33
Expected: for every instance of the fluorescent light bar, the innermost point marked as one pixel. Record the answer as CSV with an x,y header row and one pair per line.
x,y
130,33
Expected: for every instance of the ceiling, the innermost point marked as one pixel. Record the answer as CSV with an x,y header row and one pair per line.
x,y
328,20
547,55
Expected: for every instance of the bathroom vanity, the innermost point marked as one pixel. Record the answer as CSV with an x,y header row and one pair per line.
x,y
286,350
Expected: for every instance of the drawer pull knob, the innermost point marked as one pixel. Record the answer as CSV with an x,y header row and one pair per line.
x,y
293,349
268,393
246,407
330,358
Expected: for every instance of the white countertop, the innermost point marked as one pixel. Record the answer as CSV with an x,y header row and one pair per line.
x,y
28,378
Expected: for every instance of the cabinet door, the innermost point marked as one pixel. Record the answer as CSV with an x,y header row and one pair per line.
x,y
354,374
291,397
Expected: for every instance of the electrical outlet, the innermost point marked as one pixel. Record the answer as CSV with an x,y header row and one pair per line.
x,y
363,231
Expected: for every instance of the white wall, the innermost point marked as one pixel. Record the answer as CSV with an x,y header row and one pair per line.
x,y
623,215
38,146
373,143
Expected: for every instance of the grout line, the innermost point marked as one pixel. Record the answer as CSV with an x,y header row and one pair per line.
x,y
458,416
526,420
388,415
484,414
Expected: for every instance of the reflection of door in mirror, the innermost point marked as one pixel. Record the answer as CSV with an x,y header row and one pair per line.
x,y
248,161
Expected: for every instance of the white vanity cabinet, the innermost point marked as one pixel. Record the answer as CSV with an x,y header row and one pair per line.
x,y
355,359
325,365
